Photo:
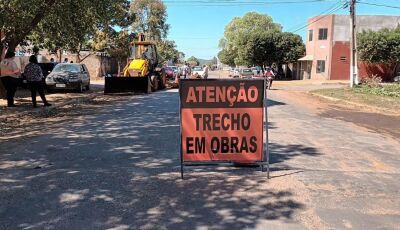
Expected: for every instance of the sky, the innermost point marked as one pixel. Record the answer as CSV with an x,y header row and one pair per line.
x,y
198,25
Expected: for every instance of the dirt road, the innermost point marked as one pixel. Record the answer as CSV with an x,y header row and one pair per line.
x,y
116,166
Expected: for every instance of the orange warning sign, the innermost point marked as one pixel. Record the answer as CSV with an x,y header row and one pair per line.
x,y
222,120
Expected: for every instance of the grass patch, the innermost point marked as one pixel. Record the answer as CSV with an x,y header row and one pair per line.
x,y
386,97
389,90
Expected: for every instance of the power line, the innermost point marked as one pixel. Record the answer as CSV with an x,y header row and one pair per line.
x,y
235,3
301,25
377,4
326,13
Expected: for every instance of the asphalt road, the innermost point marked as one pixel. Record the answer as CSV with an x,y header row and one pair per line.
x,y
118,168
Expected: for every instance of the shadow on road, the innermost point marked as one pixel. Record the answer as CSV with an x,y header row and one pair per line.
x,y
119,168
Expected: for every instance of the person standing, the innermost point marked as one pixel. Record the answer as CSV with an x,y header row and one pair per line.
x,y
205,72
34,75
185,70
66,60
10,74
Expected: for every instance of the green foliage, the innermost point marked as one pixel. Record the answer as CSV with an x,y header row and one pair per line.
x,y
227,56
150,18
193,61
59,24
291,48
119,45
255,39
380,47
167,51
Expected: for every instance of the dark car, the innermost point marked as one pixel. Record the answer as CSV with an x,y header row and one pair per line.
x,y
68,76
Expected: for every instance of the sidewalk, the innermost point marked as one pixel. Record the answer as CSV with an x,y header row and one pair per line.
x,y
23,100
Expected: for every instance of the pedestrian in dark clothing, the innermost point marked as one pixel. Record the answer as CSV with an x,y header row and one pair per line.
x,y
34,75
10,74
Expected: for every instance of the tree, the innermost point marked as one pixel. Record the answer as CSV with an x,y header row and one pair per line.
x,y
380,48
256,40
150,18
193,61
238,32
167,51
56,24
291,48
119,47
227,57
71,29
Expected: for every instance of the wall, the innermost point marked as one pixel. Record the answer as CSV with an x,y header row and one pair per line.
x,y
364,23
98,66
320,49
341,41
340,70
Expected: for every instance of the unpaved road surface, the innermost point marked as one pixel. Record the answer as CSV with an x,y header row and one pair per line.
x,y
117,167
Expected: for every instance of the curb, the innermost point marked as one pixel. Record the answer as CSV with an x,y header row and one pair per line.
x,y
48,109
381,110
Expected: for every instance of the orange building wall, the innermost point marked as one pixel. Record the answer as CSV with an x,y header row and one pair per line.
x,y
320,49
340,70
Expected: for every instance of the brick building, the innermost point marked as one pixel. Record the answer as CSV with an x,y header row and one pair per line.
x,y
328,45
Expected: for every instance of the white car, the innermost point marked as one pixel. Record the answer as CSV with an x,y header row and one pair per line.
x,y
197,69
234,73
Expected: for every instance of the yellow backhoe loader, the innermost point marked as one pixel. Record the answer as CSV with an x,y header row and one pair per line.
x,y
142,74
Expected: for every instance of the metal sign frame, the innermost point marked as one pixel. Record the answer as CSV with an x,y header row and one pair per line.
x,y
266,151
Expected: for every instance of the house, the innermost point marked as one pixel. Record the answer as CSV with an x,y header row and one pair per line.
x,y
328,45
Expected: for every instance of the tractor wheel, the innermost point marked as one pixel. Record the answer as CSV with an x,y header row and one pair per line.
x,y
154,83
163,82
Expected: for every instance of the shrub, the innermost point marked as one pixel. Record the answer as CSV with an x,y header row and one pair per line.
x,y
373,81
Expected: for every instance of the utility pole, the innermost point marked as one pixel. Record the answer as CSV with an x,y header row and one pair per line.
x,y
353,39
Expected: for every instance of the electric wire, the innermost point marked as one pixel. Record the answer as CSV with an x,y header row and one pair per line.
x,y
341,5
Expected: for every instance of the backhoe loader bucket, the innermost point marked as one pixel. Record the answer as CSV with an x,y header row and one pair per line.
x,y
127,85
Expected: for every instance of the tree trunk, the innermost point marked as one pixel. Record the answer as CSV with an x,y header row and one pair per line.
x,y
2,53
119,67
2,89
394,69
60,55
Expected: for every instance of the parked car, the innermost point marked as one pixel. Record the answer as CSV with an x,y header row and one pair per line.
x,y
68,76
234,73
197,70
246,73
256,71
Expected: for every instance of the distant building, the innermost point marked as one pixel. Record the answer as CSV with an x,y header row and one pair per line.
x,y
328,45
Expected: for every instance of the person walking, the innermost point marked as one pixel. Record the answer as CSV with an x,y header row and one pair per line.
x,y
269,74
10,74
34,76
205,72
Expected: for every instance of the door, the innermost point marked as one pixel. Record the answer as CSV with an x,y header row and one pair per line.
x,y
308,69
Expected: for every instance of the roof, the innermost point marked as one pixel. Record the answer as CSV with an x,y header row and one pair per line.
x,y
307,58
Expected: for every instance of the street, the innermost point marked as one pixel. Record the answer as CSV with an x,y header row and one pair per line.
x,y
117,167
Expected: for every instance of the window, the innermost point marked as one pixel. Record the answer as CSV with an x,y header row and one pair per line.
x,y
310,35
323,34
343,58
320,66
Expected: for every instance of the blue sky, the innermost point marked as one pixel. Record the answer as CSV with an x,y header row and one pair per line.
x,y
197,26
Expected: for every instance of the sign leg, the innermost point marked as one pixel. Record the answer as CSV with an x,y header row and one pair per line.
x,y
182,171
